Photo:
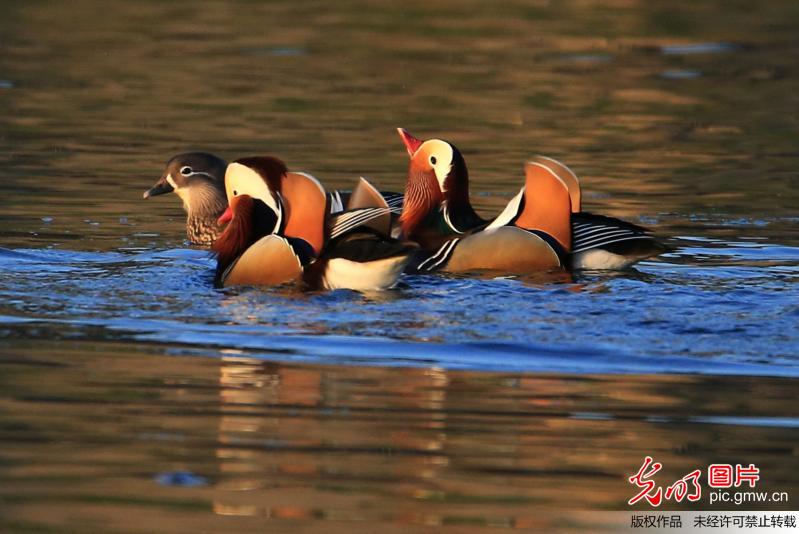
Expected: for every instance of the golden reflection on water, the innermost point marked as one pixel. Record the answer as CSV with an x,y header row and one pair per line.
x,y
391,448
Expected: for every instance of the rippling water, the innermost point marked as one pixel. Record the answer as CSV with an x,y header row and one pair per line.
x,y
131,388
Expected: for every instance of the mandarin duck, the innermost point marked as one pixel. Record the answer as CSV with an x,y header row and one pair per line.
x,y
198,178
541,228
279,230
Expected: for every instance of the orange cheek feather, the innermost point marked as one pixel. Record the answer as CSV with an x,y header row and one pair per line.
x,y
422,195
238,234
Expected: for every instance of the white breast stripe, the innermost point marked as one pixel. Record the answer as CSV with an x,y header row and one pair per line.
x,y
441,255
434,256
445,258
294,252
449,223
279,205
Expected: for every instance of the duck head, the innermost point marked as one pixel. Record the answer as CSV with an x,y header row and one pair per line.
x,y
437,178
259,178
249,219
196,177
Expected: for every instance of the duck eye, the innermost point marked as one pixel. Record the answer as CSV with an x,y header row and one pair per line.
x,y
432,160
235,193
185,171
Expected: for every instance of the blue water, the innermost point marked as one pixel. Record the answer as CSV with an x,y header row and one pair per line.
x,y
710,307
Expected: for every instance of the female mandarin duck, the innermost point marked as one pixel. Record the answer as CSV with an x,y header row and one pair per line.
x,y
278,232
198,178
543,227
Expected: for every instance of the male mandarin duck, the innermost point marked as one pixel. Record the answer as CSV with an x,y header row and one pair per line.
x,y
279,231
198,178
541,228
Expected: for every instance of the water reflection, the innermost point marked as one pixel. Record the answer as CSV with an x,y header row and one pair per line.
x,y
452,448
388,448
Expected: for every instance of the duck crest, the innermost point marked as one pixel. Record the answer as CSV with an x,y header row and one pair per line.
x,y
271,169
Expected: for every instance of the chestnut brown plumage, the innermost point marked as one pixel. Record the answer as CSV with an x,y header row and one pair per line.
x,y
422,195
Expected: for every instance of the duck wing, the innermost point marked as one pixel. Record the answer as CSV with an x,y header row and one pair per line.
x,y
601,242
361,260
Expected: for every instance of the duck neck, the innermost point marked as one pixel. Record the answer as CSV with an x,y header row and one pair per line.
x,y
456,208
204,203
458,212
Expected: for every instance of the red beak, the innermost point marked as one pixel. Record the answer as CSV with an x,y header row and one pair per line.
x,y
225,217
411,143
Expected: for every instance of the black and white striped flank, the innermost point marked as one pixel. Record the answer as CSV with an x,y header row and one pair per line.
x,y
597,231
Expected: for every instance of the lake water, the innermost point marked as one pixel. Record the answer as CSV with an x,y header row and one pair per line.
x,y
136,398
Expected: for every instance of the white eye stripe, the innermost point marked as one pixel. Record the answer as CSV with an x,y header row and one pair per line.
x,y
188,172
242,180
440,158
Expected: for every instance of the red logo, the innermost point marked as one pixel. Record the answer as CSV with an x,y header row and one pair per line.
x,y
648,485
687,487
721,475
678,491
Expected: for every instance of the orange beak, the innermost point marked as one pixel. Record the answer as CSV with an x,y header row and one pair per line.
x,y
411,143
225,217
